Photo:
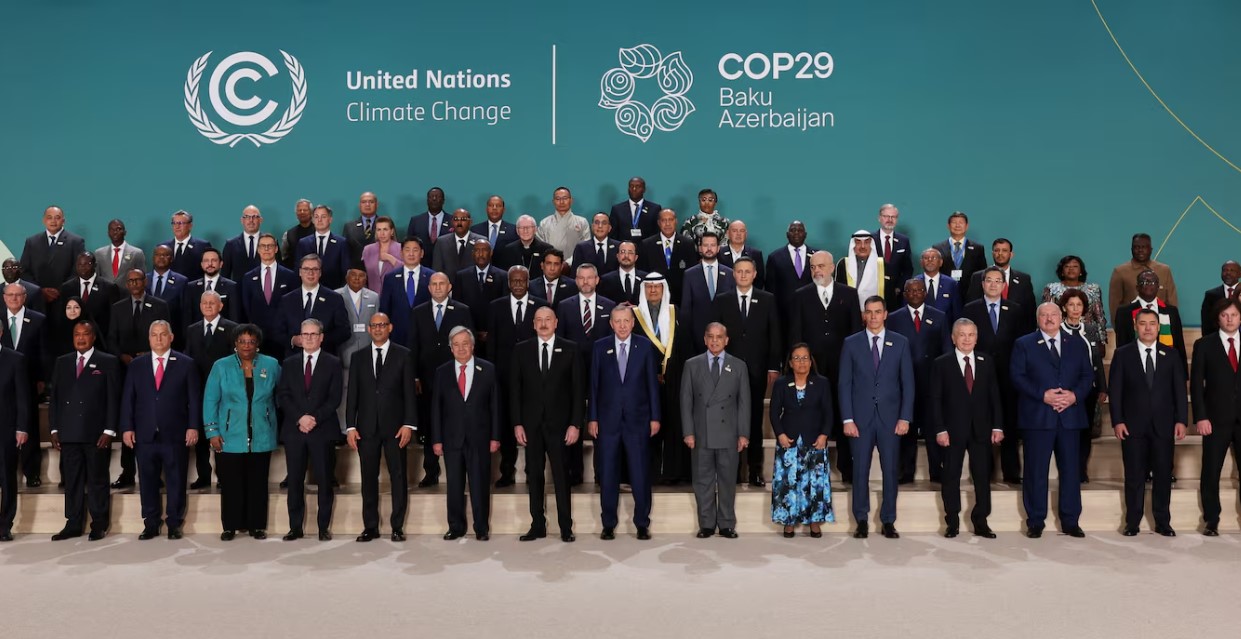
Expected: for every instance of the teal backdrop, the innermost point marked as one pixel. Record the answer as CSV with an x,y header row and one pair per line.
x,y
1065,125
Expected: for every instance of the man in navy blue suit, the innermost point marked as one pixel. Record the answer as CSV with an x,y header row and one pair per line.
x,y
429,226
876,405
636,218
941,290
241,253
261,291
187,252
332,248
498,231
624,415
1051,373
163,282
897,255
161,414
404,289
702,282
929,336
313,300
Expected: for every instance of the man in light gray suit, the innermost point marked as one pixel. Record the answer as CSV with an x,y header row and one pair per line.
x,y
454,251
360,304
118,257
715,413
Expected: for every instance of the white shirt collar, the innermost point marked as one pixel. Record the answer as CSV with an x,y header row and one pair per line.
x,y
961,355
313,291
21,313
627,341
88,354
155,356
551,341
881,334
989,301
381,347
1223,339
921,310
1049,337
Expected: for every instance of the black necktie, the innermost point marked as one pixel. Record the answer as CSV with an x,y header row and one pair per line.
x,y
602,255
180,250
207,336
930,290
628,284
1150,369
321,239
546,358
379,362
481,279
137,311
1055,354
518,320
745,307
460,249
309,305
250,251
715,367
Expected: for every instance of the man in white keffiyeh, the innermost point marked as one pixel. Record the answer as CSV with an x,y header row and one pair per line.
x,y
655,312
657,321
861,269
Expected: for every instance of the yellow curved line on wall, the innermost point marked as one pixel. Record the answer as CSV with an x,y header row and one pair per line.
x,y
1160,100
1197,200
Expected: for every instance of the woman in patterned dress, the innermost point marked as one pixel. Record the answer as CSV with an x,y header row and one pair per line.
x,y
801,411
1071,273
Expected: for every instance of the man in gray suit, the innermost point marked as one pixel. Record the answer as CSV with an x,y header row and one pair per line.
x,y
360,304
715,413
118,257
453,251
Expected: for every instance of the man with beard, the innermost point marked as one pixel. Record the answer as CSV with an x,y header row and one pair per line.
x,y
658,322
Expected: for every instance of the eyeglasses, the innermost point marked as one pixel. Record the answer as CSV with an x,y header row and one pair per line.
x,y
181,223
252,217
378,324
247,342
311,269
310,335
800,358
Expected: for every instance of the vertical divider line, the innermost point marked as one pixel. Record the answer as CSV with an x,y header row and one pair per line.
x,y
553,95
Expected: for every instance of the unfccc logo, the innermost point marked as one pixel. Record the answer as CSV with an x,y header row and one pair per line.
x,y
226,76
666,113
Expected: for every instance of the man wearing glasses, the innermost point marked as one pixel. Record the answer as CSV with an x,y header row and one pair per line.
x,y
241,253
312,301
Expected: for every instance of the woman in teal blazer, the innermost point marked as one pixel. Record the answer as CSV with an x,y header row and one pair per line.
x,y
239,418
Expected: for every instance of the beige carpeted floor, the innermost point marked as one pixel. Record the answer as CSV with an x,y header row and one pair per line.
x,y
673,586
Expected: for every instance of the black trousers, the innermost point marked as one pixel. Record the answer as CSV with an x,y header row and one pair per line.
x,y
752,457
430,461
129,468
31,452
1010,447
202,457
316,451
84,468
8,483
369,451
156,459
1091,406
1145,454
980,473
243,489
1214,448
548,442
508,441
472,460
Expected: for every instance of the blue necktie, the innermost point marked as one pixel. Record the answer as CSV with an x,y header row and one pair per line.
x,y
493,235
995,319
874,350
957,254
439,315
710,281
411,287
668,255
623,360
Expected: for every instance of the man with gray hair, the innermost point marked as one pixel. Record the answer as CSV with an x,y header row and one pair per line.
x,y
527,251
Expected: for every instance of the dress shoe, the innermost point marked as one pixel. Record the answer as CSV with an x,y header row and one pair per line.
x,y
815,533
60,484
259,534
200,484
1130,531
952,532
1034,533
482,536
567,538
533,534
325,535
122,482
148,533
6,536
904,481
228,535
608,534
1211,530
293,535
728,533
65,534
174,532
984,531
889,531
448,536
789,532
1012,481
703,533
398,535
96,535
862,532
644,533
757,481
34,482
284,483
1075,531
1166,531
372,535
428,482
505,482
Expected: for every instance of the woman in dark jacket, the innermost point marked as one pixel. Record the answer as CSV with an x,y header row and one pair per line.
x,y
1074,303
801,413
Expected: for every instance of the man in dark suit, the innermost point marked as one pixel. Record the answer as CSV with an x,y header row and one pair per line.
x,y
636,218
430,323
942,291
82,415
404,289
206,342
14,420
1230,275
161,415
897,255
962,255
600,249
755,336
928,334
261,291
964,416
187,251
547,402
227,289
876,405
453,250
788,267
130,319
498,231
163,282
668,252
380,424
309,395
1050,371
312,300
97,295
736,247
429,226
625,283
290,238
1215,393
583,319
1017,285
50,257
1170,331
527,251
360,232
479,284
552,286
25,333
332,249
241,253
822,315
511,320
1146,389
12,270
465,431
999,325
624,416
703,281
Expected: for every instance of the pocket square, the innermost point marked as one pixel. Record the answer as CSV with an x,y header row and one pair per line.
x,y
96,372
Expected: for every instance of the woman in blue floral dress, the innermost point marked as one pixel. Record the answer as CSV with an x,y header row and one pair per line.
x,y
801,412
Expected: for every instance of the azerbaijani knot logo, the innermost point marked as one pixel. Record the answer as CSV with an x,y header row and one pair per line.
x,y
666,113
222,93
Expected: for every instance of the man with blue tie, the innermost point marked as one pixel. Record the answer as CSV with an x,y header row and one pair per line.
x,y
624,415
161,414
1000,323
163,282
405,288
431,324
332,249
496,229
1050,372
635,218
701,284
876,406
963,255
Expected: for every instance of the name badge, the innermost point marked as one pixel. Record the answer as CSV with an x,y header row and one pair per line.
x,y
635,232
957,273
359,328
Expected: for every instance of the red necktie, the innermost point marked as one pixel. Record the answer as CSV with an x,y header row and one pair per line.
x,y
550,291
917,322
969,375
159,372
1232,354
81,364
85,291
587,316
461,381
309,370
435,229
887,248
116,261
1004,293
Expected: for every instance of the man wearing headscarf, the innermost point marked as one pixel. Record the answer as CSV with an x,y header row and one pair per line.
x,y
861,269
657,319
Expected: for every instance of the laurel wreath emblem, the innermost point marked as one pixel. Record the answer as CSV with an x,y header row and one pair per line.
x,y
281,128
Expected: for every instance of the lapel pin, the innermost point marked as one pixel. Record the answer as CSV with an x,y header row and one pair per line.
x,y
556,349
887,343
322,299
91,365
610,351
